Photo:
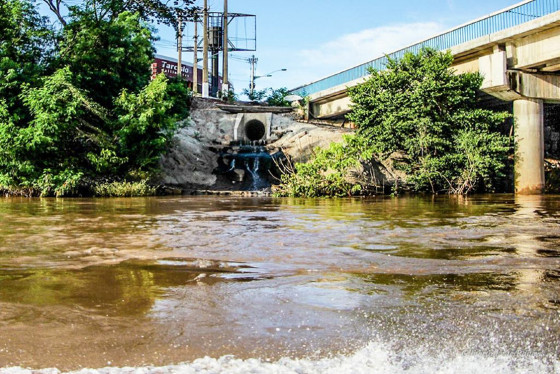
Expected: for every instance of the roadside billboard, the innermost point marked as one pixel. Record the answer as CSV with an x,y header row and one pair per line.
x,y
168,66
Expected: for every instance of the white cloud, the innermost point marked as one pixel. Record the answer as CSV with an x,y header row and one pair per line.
x,y
353,49
344,52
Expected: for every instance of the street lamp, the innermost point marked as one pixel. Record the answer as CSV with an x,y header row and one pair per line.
x,y
254,77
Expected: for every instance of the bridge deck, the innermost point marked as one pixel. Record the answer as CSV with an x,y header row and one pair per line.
x,y
501,20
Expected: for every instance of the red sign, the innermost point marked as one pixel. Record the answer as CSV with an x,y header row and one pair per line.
x,y
169,68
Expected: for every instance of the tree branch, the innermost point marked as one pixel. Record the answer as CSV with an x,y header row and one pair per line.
x,y
54,6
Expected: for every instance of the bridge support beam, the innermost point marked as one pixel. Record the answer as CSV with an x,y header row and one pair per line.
x,y
529,155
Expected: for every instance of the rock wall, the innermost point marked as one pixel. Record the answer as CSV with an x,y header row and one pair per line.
x,y
193,156
189,162
298,140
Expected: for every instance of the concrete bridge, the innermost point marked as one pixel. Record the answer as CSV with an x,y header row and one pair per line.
x,y
517,50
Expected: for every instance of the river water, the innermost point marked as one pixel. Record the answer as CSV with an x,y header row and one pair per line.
x,y
262,285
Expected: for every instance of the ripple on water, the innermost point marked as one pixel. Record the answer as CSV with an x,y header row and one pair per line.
x,y
409,285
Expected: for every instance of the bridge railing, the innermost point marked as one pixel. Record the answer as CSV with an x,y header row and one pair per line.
x,y
492,23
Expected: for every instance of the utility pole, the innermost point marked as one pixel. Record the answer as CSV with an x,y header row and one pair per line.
x,y
253,61
205,93
214,36
180,45
225,83
195,61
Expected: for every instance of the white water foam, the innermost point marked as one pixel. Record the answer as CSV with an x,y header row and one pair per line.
x,y
372,359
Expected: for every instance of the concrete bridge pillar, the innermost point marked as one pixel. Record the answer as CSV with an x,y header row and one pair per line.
x,y
529,155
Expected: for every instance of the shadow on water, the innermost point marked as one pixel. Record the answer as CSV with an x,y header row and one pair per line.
x,y
438,283
128,288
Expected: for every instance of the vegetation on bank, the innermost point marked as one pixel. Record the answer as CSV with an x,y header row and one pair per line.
x,y
124,189
421,110
79,114
272,97
332,172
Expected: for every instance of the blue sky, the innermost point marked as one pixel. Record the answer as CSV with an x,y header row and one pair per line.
x,y
315,38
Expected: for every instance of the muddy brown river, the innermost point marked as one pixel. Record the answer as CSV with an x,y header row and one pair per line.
x,y
262,285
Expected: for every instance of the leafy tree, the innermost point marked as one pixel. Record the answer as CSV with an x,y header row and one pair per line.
x,y
64,147
26,49
271,96
276,97
26,45
180,96
48,155
144,126
81,112
419,107
421,110
255,95
148,10
106,56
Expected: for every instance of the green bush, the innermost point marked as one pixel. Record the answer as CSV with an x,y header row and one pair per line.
x,y
419,108
76,103
124,189
276,97
144,127
328,173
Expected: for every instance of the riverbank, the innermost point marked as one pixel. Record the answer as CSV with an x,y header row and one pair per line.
x,y
196,149
208,151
